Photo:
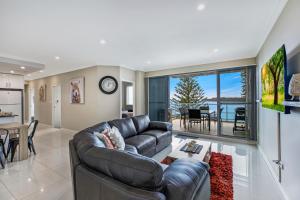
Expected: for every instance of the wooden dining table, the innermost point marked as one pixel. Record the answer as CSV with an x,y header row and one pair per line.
x,y
21,131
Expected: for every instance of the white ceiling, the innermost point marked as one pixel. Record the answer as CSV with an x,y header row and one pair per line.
x,y
169,33
8,65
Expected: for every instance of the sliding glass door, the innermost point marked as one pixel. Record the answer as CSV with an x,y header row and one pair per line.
x,y
189,93
237,103
220,103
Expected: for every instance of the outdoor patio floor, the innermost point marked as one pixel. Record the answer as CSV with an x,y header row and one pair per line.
x,y
226,128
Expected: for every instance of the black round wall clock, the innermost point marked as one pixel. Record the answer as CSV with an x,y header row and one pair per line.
x,y
108,85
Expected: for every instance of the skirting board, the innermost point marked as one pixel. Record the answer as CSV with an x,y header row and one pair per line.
x,y
284,195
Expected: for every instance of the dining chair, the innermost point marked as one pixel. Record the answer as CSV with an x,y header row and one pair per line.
x,y
14,142
2,156
182,112
204,110
194,116
239,119
2,148
214,116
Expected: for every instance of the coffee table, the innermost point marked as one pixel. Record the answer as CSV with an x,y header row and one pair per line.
x,y
204,154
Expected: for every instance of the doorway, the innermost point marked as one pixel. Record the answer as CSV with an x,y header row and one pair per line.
x,y
31,104
127,100
56,106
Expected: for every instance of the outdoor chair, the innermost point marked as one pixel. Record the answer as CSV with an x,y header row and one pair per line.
x,y
194,116
239,119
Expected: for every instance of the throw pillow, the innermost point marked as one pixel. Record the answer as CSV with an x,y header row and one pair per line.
x,y
103,136
116,138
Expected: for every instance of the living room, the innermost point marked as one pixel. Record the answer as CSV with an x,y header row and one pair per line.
x,y
149,100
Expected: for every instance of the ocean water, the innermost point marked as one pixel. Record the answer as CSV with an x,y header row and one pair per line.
x,y
228,112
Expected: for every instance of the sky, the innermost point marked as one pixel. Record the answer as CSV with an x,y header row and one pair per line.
x,y
230,84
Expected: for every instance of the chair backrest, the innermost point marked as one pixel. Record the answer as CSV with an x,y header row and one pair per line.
x,y
182,111
240,111
35,123
221,110
194,113
204,109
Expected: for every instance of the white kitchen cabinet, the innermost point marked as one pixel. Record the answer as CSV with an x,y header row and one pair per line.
x,y
3,80
4,98
16,82
10,97
11,81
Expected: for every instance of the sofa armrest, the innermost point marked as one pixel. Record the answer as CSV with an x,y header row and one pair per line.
x,y
166,126
187,179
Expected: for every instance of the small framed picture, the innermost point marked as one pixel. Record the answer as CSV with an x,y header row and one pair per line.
x,y
77,90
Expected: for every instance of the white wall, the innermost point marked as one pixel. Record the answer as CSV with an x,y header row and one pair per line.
x,y
286,31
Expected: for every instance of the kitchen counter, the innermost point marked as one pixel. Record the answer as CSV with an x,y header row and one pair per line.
x,y
8,116
8,119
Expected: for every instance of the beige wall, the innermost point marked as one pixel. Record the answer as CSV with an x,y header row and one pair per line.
x,y
140,93
26,102
98,106
203,67
285,31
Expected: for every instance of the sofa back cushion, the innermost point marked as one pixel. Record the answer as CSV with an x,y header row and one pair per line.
x,y
141,123
125,126
98,127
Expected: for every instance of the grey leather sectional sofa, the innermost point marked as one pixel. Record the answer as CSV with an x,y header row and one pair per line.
x,y
104,174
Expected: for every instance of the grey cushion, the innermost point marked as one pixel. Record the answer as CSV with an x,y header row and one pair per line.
x,y
184,178
158,134
141,122
125,126
143,143
166,126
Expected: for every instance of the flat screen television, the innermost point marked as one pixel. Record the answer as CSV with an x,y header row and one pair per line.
x,y
275,82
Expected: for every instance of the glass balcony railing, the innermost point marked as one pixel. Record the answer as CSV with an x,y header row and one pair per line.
x,y
233,118
227,109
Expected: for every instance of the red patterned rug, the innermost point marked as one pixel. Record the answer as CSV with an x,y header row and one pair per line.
x,y
221,177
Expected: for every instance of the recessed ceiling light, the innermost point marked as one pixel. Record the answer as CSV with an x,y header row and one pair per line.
x,y
41,71
102,41
22,67
216,50
201,7
148,62
57,57
12,71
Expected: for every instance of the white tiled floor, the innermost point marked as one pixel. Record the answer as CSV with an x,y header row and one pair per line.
x,y
47,175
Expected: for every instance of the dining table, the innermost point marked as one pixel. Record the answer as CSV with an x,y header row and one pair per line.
x,y
21,131
205,114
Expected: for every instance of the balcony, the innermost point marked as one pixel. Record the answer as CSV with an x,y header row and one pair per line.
x,y
203,119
